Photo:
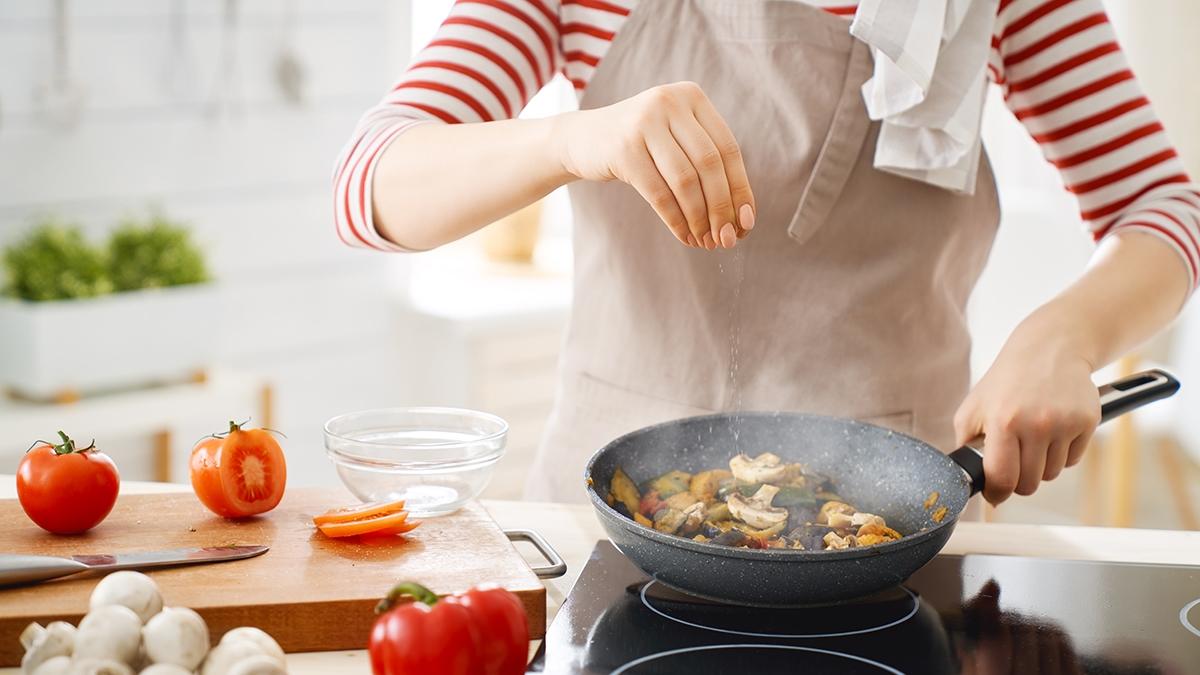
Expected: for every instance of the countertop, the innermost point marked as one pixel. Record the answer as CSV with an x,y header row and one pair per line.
x,y
573,530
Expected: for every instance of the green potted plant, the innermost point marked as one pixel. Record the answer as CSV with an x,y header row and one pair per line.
x,y
77,317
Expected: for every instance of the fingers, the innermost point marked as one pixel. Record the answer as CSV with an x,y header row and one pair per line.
x,y
646,179
1001,464
731,157
1033,463
1056,458
1079,446
714,184
684,180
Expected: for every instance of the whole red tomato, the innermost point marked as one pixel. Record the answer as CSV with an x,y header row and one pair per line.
x,y
66,489
480,632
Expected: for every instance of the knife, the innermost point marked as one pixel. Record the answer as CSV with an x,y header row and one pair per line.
x,y
25,569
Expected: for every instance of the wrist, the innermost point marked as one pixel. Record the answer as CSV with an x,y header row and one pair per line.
x,y
1057,331
561,129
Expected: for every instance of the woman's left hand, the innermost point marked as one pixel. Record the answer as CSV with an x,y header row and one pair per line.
x,y
1037,408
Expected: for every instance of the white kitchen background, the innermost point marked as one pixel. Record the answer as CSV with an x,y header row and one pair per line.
x,y
228,115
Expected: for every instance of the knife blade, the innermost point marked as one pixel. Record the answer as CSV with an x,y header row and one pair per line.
x,y
25,569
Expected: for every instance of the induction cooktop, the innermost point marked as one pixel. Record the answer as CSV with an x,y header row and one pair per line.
x,y
978,614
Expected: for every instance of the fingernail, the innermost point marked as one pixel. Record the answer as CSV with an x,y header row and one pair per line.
x,y
746,217
709,243
728,235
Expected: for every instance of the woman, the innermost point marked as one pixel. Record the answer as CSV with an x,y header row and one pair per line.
x,y
835,149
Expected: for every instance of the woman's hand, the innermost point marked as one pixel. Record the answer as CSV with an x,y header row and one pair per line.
x,y
1037,407
675,149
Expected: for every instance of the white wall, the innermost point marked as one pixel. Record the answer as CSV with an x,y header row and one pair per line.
x,y
253,180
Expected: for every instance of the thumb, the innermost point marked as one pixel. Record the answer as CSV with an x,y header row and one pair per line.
x,y
968,424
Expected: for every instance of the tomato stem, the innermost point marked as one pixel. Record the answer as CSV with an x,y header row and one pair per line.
x,y
68,445
412,589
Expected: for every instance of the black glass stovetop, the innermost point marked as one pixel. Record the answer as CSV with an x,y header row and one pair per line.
x,y
977,614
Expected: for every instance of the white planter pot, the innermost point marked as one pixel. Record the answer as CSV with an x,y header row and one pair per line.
x,y
48,349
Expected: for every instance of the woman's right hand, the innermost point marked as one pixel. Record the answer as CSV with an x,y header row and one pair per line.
x,y
676,150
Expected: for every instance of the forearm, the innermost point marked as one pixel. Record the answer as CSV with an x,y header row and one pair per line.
x,y
1133,288
439,182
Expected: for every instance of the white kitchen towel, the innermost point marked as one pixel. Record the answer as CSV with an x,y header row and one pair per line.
x,y
928,86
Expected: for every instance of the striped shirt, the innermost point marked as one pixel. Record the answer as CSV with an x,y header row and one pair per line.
x,y
1057,62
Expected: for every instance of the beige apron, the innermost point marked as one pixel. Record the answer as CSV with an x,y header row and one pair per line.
x,y
849,296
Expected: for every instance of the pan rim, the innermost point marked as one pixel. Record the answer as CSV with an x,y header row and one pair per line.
x,y
774,554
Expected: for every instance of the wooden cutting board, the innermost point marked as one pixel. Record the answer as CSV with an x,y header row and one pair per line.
x,y
310,592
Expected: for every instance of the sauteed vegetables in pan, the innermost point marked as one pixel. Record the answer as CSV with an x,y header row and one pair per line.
x,y
759,502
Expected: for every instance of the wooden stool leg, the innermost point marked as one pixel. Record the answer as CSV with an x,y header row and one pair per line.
x,y
162,456
1122,458
267,405
1175,467
1093,485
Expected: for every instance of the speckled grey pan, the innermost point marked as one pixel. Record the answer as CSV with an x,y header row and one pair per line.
x,y
878,470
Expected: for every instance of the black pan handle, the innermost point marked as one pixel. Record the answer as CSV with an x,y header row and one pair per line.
x,y
1116,399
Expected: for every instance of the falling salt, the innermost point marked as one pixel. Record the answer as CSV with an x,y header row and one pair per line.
x,y
735,338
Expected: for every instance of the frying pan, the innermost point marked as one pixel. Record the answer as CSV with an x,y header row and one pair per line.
x,y
878,470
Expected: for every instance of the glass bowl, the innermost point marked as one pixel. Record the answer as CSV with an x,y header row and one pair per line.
x,y
435,459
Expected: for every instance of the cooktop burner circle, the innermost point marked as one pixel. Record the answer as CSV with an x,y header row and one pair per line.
x,y
750,649
894,619
1186,620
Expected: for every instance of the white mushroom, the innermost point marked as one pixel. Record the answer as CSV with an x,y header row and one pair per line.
x,y
59,665
165,669
831,509
222,659
757,511
130,589
92,666
695,518
176,635
259,665
259,637
43,644
111,632
832,540
859,519
766,468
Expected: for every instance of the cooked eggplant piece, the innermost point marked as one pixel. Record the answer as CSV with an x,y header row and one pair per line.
x,y
682,501
620,508
624,491
810,535
733,537
669,520
704,485
669,484
719,511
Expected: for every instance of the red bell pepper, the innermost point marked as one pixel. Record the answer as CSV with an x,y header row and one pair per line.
x,y
481,632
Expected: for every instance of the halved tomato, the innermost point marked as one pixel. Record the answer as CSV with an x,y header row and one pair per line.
x,y
378,524
358,512
240,473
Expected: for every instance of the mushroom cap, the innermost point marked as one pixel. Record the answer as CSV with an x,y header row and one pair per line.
x,y
131,589
58,665
165,669
765,468
92,666
260,664
259,637
176,635
109,632
56,639
228,654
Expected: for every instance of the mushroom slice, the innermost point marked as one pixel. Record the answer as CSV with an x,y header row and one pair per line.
x,y
861,518
757,511
833,541
832,507
695,517
766,468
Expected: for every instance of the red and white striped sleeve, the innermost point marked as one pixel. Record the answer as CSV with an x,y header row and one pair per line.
x,y
486,61
1065,78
